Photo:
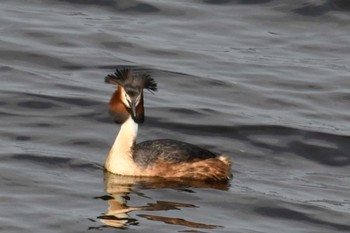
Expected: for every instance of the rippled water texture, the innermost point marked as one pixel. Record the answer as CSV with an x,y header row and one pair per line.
x,y
263,82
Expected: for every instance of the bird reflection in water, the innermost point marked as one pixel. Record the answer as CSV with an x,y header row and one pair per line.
x,y
120,187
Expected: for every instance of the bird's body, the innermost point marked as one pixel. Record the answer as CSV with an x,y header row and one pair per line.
x,y
172,151
163,157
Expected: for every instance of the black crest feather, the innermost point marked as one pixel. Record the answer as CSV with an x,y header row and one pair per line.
x,y
125,77
149,83
119,77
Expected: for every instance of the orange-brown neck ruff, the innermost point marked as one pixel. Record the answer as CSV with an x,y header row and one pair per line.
x,y
119,160
117,108
140,111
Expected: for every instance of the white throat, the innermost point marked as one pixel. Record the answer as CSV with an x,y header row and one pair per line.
x,y
119,159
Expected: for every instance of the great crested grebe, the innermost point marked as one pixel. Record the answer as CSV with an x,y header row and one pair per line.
x,y
160,158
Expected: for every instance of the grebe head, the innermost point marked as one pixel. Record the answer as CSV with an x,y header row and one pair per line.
x,y
129,93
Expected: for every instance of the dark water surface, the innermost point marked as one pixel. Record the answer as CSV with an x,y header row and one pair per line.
x,y
264,82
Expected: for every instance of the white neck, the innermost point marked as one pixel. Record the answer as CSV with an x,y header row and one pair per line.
x,y
119,159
